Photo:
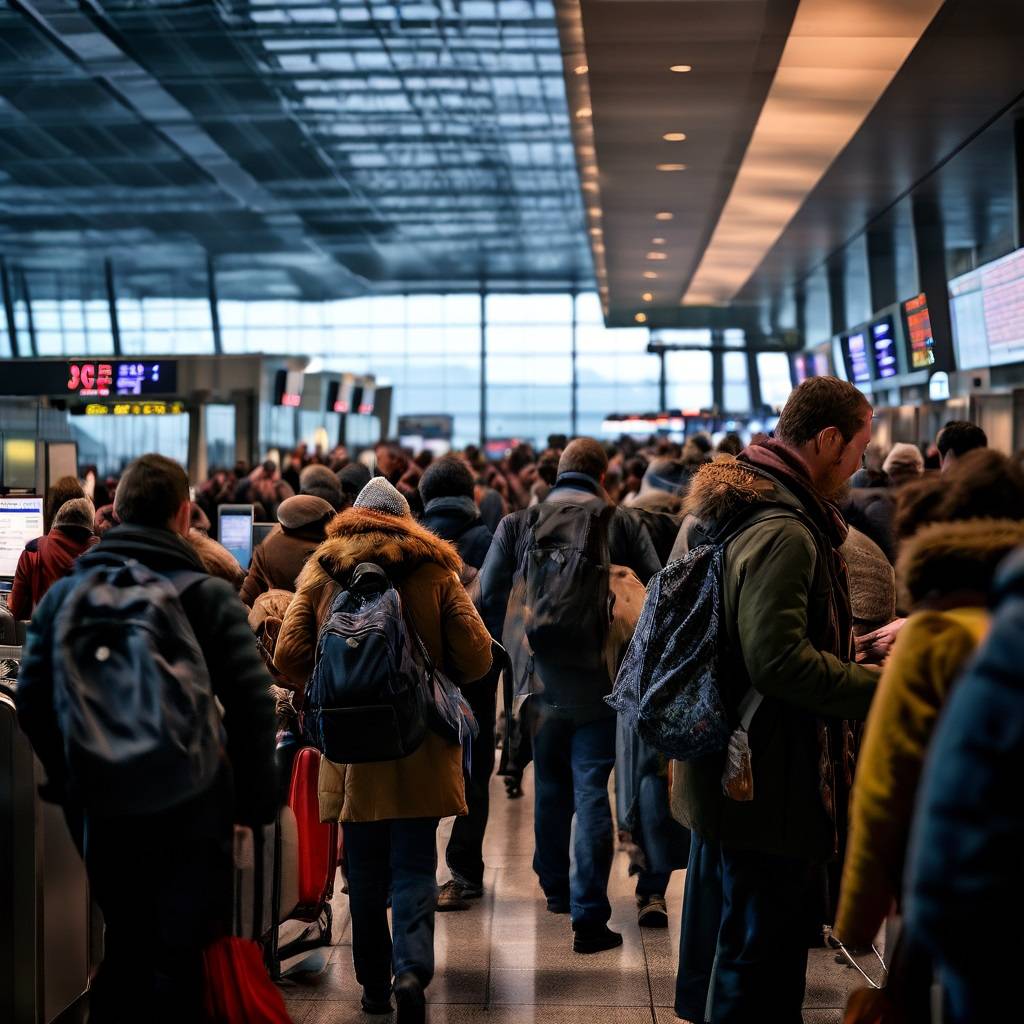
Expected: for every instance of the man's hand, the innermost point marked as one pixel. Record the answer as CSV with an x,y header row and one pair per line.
x,y
873,648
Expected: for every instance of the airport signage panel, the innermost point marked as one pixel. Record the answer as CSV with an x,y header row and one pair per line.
x,y
858,357
883,345
917,324
89,378
988,313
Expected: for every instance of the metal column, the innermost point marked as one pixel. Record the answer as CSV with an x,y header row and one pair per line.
x,y
574,412
115,324
12,327
211,287
27,298
483,369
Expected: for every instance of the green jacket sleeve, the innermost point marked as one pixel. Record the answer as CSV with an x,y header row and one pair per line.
x,y
773,565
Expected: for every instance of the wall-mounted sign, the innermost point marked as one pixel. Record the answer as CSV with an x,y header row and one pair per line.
x,y
130,409
938,386
89,378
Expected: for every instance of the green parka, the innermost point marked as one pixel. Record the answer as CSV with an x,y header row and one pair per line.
x,y
775,619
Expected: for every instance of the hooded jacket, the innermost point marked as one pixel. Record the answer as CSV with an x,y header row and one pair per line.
x,y
44,561
945,572
458,520
963,868
217,617
776,595
277,562
424,569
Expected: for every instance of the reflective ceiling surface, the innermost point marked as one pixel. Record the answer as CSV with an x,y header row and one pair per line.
x,y
315,149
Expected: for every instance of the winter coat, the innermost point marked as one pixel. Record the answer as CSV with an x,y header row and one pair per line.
x,y
429,782
44,561
216,559
277,562
967,838
502,589
458,520
775,617
946,571
217,617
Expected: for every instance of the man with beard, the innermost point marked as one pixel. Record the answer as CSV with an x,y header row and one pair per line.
x,y
757,866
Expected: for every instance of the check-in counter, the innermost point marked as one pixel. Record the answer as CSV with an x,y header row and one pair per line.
x,y
49,936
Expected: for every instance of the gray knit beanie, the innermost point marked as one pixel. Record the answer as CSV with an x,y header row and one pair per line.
x,y
77,512
379,496
872,580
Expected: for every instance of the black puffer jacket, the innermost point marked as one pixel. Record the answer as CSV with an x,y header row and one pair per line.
x,y
458,520
239,677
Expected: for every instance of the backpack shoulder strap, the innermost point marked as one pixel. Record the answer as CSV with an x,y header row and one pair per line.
x,y
186,579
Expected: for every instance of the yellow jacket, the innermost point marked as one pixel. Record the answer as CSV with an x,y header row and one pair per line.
x,y
949,565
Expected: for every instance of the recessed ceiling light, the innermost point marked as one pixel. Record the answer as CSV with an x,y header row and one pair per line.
x,y
590,186
581,69
671,167
650,275
584,112
657,255
598,247
681,69
674,136
657,241
664,215
595,231
594,211
648,296
641,318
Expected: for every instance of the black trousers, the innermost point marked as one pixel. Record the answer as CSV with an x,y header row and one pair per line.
x,y
768,908
465,853
164,885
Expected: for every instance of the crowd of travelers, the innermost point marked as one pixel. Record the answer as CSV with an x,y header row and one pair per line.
x,y
852,632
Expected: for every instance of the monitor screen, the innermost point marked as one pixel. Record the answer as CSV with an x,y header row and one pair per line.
x,y
19,470
261,531
883,344
803,367
918,329
235,531
21,520
988,313
365,407
858,357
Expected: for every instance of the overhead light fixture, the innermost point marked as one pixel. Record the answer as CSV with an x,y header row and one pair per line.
x,y
650,275
581,69
671,167
595,231
674,136
641,318
657,241
648,296
657,255
590,186
681,69
584,112
664,215
594,211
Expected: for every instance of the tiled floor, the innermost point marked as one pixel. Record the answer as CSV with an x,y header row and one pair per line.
x,y
508,961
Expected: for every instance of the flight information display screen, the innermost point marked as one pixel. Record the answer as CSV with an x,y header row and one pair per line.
x,y
918,328
90,378
858,357
988,313
883,345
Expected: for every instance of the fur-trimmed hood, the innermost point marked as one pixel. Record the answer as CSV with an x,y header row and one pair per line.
x,y
725,487
362,535
944,562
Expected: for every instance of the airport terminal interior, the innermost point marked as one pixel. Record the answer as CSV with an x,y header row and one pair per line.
x,y
471,272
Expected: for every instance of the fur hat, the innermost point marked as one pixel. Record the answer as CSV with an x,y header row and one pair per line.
x,y
76,512
379,496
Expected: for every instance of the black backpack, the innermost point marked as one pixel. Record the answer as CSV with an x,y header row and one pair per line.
x,y
568,595
669,684
367,697
131,692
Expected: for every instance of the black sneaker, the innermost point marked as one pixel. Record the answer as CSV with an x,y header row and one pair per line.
x,y
451,897
412,1004
651,912
594,938
376,1002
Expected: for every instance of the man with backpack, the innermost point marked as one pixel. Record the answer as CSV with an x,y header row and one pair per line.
x,y
787,674
548,569
123,666
447,487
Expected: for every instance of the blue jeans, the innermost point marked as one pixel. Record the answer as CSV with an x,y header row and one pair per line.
x,y
397,857
572,764
666,843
